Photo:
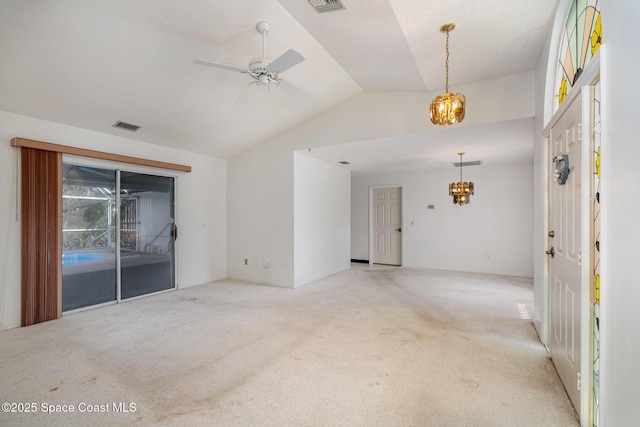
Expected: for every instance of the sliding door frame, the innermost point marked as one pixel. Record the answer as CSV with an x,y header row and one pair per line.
x,y
118,238
70,159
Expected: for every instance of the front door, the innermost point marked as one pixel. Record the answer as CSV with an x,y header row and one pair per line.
x,y
565,252
387,226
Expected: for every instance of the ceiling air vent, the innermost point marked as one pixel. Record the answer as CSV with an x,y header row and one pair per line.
x,y
472,163
322,6
126,126
344,162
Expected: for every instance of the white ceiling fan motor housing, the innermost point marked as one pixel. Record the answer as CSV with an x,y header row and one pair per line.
x,y
259,67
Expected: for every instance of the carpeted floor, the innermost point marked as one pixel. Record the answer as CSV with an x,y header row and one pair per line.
x,y
365,347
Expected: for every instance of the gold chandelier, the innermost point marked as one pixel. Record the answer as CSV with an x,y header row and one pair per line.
x,y
447,109
461,191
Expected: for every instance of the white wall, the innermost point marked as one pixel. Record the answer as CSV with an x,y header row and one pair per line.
x,y
620,230
201,215
540,290
260,212
202,220
492,234
261,216
322,194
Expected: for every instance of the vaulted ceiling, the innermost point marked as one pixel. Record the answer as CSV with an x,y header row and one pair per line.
x,y
90,63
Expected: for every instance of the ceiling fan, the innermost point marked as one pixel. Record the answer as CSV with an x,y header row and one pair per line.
x,y
264,71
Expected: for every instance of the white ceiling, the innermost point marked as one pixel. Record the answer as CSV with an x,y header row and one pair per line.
x,y
494,143
90,63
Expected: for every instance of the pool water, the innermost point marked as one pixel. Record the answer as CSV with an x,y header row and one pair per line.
x,y
80,257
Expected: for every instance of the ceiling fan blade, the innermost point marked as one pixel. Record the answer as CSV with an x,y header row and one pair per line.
x,y
278,94
218,65
286,61
295,93
248,95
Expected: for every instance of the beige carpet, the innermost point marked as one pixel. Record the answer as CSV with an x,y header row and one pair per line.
x,y
365,347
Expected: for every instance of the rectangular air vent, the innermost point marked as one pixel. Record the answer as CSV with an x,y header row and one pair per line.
x,y
322,6
472,163
126,126
344,162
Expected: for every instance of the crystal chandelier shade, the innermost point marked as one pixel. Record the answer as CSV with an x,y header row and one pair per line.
x,y
461,191
447,109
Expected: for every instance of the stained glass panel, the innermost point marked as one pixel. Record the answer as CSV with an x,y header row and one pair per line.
x,y
596,254
581,39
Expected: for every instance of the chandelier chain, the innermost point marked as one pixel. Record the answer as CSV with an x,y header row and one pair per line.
x,y
447,65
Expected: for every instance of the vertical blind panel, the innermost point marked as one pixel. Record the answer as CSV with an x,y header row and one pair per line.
x,y
41,240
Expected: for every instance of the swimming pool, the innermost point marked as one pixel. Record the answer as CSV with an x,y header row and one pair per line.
x,y
75,258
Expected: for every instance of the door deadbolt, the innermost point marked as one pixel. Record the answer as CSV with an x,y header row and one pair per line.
x,y
552,234
551,252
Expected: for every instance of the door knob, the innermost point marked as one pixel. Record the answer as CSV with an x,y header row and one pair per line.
x,y
399,229
551,252
552,234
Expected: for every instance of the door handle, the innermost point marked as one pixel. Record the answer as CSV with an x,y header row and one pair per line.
x,y
552,234
399,229
551,252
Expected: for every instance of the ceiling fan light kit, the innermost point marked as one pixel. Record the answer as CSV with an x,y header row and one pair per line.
x,y
447,109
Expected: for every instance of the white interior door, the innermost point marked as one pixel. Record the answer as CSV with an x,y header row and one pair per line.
x,y
387,226
565,252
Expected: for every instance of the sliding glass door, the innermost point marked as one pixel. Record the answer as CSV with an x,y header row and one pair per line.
x,y
118,235
88,236
147,234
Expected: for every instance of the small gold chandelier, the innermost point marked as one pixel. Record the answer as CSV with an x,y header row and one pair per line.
x,y
447,109
461,190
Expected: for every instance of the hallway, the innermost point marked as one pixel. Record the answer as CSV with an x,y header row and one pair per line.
x,y
368,346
